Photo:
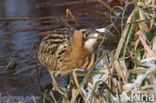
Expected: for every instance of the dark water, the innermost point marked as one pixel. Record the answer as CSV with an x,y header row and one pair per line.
x,y
17,37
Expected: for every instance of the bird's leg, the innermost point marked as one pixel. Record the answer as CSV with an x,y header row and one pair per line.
x,y
53,79
75,78
78,72
75,74
55,84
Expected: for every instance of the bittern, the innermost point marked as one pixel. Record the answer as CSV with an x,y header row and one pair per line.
x,y
65,50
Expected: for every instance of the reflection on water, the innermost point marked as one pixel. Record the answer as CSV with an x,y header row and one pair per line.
x,y
14,8
18,8
19,35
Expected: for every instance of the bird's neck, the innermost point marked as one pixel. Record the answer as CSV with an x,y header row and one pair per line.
x,y
77,47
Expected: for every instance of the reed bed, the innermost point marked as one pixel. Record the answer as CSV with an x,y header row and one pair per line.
x,y
126,73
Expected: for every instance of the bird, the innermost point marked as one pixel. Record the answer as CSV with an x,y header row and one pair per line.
x,y
66,49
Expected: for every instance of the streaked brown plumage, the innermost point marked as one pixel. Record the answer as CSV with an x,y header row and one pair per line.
x,y
66,49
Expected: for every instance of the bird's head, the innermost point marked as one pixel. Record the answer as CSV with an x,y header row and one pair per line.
x,y
86,38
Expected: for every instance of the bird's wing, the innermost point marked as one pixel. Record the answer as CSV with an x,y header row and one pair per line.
x,y
53,47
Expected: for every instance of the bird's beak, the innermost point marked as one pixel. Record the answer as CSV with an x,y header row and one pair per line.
x,y
96,35
100,36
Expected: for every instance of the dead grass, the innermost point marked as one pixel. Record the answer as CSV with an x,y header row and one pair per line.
x,y
130,68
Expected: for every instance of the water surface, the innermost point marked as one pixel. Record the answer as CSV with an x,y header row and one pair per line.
x,y
17,37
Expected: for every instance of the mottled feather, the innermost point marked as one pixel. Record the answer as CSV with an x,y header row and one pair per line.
x,y
63,50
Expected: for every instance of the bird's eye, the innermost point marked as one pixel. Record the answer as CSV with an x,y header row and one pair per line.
x,y
86,35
